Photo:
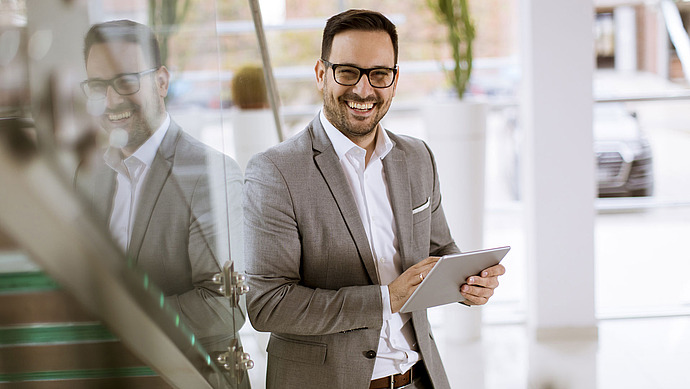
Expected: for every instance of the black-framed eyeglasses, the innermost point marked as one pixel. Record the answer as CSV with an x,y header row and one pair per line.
x,y
349,75
124,84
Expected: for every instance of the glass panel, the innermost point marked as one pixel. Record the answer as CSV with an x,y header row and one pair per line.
x,y
150,150
187,221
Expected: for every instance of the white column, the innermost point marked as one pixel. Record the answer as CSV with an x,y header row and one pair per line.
x,y
663,47
626,38
558,168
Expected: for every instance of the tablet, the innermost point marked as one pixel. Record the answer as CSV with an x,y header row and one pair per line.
x,y
442,284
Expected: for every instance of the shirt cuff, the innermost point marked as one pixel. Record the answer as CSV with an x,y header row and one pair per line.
x,y
386,300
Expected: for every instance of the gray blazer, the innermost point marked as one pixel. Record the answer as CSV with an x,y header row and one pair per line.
x,y
312,276
180,233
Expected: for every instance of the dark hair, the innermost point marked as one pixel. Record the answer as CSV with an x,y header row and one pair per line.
x,y
357,19
125,31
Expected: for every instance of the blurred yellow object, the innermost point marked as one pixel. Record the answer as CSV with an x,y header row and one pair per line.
x,y
249,88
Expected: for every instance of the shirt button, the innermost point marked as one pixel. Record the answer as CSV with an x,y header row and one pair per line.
x,y
382,260
371,354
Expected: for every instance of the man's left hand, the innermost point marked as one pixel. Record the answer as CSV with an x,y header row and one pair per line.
x,y
480,288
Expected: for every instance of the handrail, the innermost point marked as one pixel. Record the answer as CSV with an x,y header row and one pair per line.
x,y
268,68
666,96
677,33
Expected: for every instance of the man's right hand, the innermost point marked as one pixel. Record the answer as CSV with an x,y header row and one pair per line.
x,y
402,287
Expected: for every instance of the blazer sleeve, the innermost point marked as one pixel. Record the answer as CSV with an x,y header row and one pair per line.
x,y
213,221
278,301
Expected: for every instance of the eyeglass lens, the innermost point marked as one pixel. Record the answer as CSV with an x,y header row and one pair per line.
x,y
125,85
350,75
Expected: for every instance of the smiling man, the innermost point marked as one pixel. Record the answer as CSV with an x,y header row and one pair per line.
x,y
342,222
161,192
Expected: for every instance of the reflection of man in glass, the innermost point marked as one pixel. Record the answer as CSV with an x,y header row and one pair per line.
x,y
161,191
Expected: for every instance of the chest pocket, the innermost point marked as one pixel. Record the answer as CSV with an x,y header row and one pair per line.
x,y
422,211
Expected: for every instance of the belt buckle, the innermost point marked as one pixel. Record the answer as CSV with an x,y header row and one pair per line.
x,y
392,378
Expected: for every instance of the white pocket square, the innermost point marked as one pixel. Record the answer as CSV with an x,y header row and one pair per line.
x,y
422,207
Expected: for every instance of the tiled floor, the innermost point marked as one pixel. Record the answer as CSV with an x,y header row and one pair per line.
x,y
649,353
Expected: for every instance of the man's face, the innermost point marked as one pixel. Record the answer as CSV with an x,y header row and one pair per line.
x,y
356,110
139,114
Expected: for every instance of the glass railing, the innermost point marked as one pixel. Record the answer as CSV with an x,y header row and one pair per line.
x,y
168,290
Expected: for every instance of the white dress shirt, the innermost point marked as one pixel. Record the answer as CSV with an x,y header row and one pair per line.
x,y
131,173
397,349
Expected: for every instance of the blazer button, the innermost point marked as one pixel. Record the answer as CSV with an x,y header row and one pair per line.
x,y
371,354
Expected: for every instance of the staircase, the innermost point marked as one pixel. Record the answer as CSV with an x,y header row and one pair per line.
x,y
48,341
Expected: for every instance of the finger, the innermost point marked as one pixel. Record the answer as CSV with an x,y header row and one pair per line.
x,y
421,276
474,300
475,295
402,287
413,278
423,268
426,269
494,271
427,262
489,282
476,291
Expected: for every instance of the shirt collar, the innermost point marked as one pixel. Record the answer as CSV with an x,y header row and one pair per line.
x,y
342,144
145,153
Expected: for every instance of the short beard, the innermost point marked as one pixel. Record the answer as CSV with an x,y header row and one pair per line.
x,y
139,135
334,114
146,123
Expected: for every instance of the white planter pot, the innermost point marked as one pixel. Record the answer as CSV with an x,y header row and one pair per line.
x,y
456,133
254,131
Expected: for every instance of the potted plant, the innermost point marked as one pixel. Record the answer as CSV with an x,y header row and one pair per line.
x,y
456,128
455,15
249,88
253,123
165,17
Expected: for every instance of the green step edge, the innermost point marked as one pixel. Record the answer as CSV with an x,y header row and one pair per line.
x,y
55,334
24,282
122,372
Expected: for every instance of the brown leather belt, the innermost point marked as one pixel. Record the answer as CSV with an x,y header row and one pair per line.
x,y
399,380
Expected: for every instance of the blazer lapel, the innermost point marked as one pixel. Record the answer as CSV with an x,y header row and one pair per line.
x,y
156,177
104,189
395,167
327,162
